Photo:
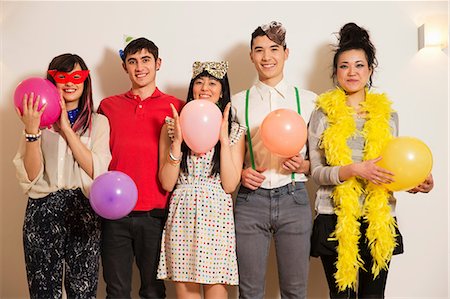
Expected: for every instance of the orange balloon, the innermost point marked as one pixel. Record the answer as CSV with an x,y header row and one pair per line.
x,y
283,132
409,159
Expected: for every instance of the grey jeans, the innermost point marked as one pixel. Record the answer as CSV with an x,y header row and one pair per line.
x,y
283,213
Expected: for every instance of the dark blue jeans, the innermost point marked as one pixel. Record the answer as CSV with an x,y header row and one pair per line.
x,y
282,213
137,236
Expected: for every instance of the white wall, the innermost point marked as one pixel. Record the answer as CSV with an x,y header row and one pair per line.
x,y
34,32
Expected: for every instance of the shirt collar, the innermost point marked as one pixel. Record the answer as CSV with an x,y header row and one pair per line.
x,y
156,93
281,88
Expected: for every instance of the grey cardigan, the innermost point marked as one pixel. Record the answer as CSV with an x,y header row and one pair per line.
x,y
326,176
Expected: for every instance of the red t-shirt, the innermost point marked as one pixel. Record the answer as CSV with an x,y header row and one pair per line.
x,y
134,138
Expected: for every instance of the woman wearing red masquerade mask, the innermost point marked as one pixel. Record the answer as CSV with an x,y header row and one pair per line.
x,y
56,168
76,77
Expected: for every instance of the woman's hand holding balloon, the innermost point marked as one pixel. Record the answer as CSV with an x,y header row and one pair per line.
x,y
47,95
178,136
370,171
31,116
425,186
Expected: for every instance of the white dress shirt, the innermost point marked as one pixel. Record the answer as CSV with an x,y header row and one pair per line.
x,y
264,99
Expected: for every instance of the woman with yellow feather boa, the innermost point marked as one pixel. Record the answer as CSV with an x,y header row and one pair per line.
x,y
355,232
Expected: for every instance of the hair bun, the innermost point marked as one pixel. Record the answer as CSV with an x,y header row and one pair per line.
x,y
353,37
351,33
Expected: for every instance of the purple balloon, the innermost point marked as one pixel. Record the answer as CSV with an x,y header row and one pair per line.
x,y
49,94
113,195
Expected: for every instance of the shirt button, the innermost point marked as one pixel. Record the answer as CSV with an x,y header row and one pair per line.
x,y
140,106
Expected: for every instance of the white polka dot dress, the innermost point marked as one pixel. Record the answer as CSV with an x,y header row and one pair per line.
x,y
198,242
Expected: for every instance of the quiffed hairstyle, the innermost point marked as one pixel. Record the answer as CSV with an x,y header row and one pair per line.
x,y
274,30
137,45
353,37
66,63
222,103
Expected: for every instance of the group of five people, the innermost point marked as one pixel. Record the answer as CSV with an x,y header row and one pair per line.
x,y
198,238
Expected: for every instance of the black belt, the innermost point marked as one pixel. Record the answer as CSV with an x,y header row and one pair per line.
x,y
288,188
156,213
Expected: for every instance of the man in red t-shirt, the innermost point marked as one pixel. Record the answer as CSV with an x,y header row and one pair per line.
x,y
136,118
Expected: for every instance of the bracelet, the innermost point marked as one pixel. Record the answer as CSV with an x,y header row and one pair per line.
x,y
32,137
173,161
173,158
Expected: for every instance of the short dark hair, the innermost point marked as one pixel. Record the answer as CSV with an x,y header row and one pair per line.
x,y
137,45
260,32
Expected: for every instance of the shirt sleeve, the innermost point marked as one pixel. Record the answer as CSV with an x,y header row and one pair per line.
x,y
101,154
21,172
238,108
100,108
394,124
321,172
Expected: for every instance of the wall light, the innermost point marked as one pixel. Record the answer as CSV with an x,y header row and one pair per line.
x,y
433,33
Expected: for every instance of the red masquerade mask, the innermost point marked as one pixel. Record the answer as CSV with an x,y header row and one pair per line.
x,y
76,77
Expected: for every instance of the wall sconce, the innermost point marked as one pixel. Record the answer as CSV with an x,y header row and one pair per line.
x,y
433,33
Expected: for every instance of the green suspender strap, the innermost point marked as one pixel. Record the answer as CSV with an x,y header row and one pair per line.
x,y
249,137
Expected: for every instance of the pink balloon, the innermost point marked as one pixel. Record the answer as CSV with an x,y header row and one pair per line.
x,y
200,122
49,94
283,132
113,195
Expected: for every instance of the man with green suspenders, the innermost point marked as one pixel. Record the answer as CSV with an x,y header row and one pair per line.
x,y
272,200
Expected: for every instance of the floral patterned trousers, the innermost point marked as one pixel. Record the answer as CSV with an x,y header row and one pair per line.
x,y
61,237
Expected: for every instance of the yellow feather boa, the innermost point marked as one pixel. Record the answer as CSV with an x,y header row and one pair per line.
x,y
376,211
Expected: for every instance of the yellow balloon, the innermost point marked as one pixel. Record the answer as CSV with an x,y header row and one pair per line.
x,y
409,159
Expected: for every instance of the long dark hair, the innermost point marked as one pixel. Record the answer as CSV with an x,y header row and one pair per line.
x,y
66,63
222,103
353,37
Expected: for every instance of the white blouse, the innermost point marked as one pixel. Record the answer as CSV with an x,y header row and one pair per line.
x,y
60,170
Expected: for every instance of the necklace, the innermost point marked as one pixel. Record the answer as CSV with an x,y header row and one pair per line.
x,y
73,114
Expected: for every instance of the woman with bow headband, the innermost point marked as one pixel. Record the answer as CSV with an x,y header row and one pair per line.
x,y
198,243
